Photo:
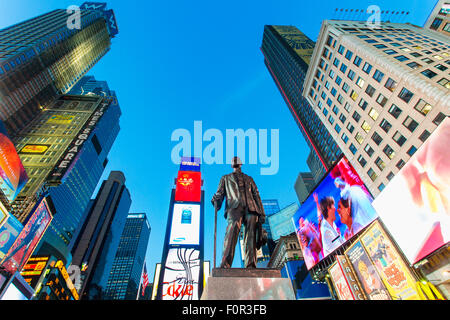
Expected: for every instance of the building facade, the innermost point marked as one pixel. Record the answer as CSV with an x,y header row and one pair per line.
x,y
287,54
96,246
381,91
125,275
304,184
44,57
439,18
287,249
281,222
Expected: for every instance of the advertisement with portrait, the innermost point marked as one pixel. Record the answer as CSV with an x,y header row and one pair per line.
x,y
185,228
188,186
305,287
12,173
8,234
181,274
366,273
337,209
415,205
28,238
340,283
396,276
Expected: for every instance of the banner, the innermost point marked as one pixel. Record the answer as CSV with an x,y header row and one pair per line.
x,y
8,234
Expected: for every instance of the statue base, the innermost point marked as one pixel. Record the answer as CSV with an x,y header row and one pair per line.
x,y
247,284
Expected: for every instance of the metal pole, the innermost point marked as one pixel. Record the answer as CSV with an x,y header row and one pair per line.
x,y
215,234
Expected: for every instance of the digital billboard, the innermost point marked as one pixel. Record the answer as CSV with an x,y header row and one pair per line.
x,y
28,238
415,205
12,173
33,270
337,209
181,274
190,164
60,119
34,149
397,278
188,187
8,234
185,228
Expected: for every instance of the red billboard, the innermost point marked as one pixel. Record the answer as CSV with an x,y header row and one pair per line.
x,y
28,238
188,187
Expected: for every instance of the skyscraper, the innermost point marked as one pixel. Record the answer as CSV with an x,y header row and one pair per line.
x,y
97,243
287,53
304,184
438,19
45,56
382,91
125,275
271,207
281,222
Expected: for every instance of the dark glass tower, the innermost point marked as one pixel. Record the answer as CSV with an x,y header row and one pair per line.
x,y
287,53
45,56
126,271
96,246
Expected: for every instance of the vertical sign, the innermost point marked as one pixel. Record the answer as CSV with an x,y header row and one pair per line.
x,y
340,282
350,277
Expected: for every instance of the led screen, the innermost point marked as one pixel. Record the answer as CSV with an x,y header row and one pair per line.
x,y
185,227
338,208
188,186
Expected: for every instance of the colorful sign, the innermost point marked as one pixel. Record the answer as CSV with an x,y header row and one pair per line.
x,y
190,164
340,282
366,273
185,229
188,187
28,238
12,173
399,281
33,269
4,214
415,205
34,149
62,269
352,281
60,119
338,209
181,274
8,234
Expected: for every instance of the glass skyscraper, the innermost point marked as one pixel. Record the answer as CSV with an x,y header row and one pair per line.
x,y
281,222
125,275
287,53
45,56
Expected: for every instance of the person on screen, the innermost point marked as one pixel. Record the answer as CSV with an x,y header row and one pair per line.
x,y
345,215
361,205
309,241
331,237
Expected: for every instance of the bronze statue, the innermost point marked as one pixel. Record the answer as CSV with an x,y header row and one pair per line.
x,y
243,206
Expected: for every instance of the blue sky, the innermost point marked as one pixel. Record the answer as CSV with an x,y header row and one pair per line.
x,y
175,62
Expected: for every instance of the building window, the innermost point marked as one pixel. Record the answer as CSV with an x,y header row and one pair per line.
x,y
395,111
389,151
445,83
436,23
410,123
411,151
423,107
385,125
353,95
424,136
400,164
390,176
343,68
342,118
359,137
428,73
367,67
356,116
341,49
370,90
351,74
368,149
363,104
336,62
390,84
357,61
380,163
345,87
377,138
413,65
366,126
405,95
401,58
373,114
372,174
390,51
360,82
350,127
381,186
399,138
381,100
378,75
439,118
353,148
344,138
348,55
440,67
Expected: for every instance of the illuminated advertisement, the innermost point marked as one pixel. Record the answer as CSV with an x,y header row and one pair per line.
x,y
338,208
190,164
350,277
188,186
340,283
415,205
34,148
181,274
8,234
303,284
185,227
12,173
33,269
365,270
28,238
3,215
398,279
60,119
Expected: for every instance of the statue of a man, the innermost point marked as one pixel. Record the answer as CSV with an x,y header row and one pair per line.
x,y
243,205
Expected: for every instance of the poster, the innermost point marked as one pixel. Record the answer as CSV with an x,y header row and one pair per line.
x,y
340,283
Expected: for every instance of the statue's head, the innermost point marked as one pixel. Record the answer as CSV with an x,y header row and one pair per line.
x,y
236,162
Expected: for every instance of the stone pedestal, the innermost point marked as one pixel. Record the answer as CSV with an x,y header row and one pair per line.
x,y
247,284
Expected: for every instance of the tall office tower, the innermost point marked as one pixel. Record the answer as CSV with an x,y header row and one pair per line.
x,y
304,184
382,91
125,275
281,222
287,53
96,246
315,166
438,19
45,56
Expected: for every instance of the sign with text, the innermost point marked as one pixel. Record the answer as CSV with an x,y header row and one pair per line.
x,y
188,187
185,227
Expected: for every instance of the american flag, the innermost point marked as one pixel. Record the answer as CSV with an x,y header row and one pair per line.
x,y
144,279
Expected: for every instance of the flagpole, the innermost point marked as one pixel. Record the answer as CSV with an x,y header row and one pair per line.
x,y
139,290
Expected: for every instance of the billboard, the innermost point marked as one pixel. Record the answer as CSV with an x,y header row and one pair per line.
x,y
33,269
181,274
34,149
12,173
60,119
28,238
349,275
415,205
340,282
304,286
366,273
8,234
3,214
399,281
190,164
188,187
185,228
337,209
